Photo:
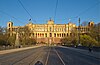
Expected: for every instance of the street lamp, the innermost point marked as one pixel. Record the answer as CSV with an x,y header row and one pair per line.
x,y
79,31
98,32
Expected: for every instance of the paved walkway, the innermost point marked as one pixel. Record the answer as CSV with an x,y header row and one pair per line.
x,y
86,52
18,49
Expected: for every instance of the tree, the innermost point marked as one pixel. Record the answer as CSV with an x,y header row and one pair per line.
x,y
3,36
74,36
86,40
32,41
66,40
2,40
25,38
95,32
1,30
11,40
74,41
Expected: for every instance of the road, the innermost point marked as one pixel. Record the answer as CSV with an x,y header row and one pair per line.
x,y
48,56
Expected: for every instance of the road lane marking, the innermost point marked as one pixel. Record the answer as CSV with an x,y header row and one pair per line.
x,y
27,56
37,56
59,57
47,57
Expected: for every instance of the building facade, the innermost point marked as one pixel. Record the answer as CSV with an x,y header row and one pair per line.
x,y
49,32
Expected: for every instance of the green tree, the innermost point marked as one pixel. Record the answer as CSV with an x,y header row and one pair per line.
x,y
74,36
11,40
25,38
32,41
95,33
74,41
66,40
3,36
2,40
86,40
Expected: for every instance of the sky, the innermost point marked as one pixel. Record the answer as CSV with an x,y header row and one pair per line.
x,y
43,10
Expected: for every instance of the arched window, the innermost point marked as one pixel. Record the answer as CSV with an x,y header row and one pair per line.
x,y
54,34
45,34
62,34
50,34
50,29
9,25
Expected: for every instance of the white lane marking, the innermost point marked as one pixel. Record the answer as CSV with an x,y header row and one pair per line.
x,y
37,56
47,57
59,57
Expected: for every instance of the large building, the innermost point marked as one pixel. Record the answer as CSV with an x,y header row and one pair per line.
x,y
49,32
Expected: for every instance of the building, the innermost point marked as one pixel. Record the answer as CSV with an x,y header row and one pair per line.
x,y
49,32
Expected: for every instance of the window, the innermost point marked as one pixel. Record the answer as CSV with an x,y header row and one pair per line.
x,y
29,34
9,25
45,34
70,34
38,34
62,34
50,29
54,34
50,34
67,34
57,35
9,29
33,34
42,35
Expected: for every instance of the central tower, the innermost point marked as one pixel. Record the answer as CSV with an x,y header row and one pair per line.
x,y
50,31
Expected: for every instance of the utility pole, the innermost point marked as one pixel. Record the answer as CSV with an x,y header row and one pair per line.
x,y
79,31
98,32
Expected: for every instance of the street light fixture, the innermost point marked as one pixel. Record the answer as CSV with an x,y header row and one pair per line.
x,y
79,31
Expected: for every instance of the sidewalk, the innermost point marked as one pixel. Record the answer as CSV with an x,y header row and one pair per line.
x,y
15,50
86,52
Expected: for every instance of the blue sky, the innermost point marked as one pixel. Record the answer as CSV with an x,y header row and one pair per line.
x,y
43,10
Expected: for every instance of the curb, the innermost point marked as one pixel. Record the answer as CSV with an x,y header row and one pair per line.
x,y
15,50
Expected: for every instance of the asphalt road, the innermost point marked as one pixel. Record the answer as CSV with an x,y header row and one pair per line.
x,y
48,56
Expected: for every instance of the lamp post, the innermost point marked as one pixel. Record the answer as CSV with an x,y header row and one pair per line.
x,y
79,31
98,32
